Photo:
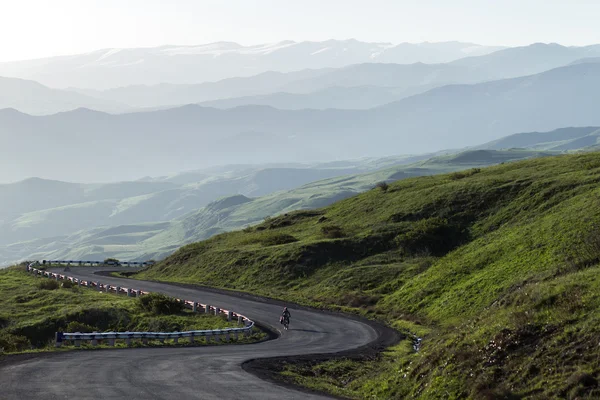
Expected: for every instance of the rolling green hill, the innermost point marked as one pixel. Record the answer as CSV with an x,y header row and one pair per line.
x,y
496,269
157,240
153,217
39,216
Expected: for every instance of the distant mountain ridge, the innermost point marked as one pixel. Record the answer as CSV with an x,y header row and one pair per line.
x,y
558,140
363,85
452,116
357,86
33,98
109,68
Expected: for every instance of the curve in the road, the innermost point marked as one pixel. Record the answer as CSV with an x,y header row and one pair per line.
x,y
212,372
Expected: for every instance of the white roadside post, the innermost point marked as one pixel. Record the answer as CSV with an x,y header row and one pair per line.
x,y
207,308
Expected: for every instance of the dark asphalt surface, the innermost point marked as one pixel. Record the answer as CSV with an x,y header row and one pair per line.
x,y
211,372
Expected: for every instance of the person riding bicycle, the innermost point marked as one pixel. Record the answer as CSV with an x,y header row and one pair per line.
x,y
285,316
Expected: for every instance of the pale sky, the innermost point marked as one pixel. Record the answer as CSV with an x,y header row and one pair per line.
x,y
41,28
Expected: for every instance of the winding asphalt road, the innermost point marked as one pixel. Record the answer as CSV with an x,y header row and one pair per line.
x,y
210,372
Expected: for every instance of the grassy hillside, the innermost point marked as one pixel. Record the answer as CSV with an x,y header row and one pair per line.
x,y
497,270
32,309
159,240
50,219
39,210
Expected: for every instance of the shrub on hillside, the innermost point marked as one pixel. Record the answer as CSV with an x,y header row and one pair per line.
x,y
383,186
433,235
464,174
41,332
359,299
158,303
75,326
580,383
332,232
277,239
589,252
12,343
160,325
103,319
67,284
47,284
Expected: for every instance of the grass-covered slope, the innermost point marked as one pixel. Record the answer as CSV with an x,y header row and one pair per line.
x,y
496,269
32,309
236,212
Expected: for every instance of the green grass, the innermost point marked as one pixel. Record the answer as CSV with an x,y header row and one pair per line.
x,y
32,310
157,240
496,269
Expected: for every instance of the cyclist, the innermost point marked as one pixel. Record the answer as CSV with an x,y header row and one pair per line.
x,y
285,318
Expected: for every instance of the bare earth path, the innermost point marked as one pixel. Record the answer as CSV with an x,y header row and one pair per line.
x,y
211,372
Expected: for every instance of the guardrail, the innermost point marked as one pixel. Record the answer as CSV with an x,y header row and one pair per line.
x,y
68,263
219,335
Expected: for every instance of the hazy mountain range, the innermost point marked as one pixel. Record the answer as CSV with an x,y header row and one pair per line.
x,y
109,68
358,86
154,143
33,98
152,217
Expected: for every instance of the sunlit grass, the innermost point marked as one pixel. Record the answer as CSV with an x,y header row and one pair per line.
x,y
495,269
